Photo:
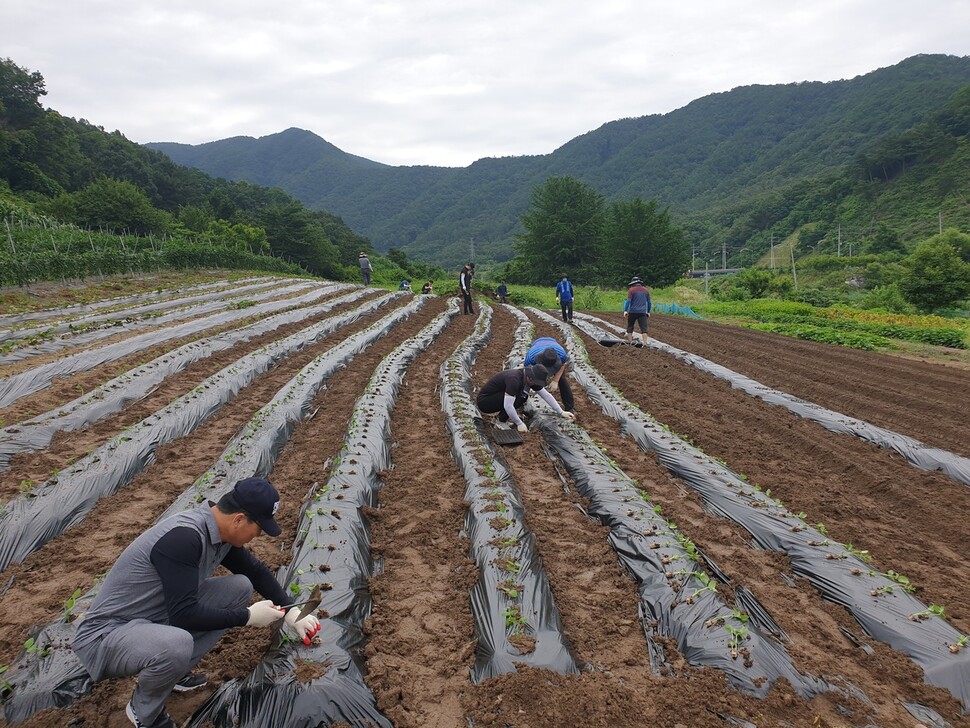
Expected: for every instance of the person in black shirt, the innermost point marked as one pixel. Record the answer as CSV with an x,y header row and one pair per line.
x,y
506,392
465,287
160,609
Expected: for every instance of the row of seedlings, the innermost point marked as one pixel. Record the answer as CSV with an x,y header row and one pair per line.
x,y
42,336
17,386
48,341
16,320
516,618
30,520
47,674
133,385
916,453
882,603
679,599
332,554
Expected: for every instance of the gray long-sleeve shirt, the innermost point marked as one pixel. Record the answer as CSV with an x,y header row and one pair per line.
x,y
158,575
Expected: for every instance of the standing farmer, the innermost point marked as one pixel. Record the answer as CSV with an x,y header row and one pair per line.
x,y
365,268
564,294
160,610
465,287
636,308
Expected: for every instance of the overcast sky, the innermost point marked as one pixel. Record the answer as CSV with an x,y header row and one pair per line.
x,y
442,82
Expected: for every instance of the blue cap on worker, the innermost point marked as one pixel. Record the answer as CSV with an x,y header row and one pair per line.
x,y
259,499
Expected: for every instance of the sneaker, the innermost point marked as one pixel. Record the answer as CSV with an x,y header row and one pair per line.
x,y
164,720
192,681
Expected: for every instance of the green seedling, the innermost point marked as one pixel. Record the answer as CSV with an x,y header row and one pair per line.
x,y
514,621
510,589
296,589
738,636
859,553
901,580
934,610
878,591
69,605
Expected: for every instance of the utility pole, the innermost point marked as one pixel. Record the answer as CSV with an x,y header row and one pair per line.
x,y
840,240
707,275
941,222
471,242
772,251
724,255
794,275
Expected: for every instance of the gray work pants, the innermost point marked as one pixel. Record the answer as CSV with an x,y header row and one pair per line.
x,y
160,654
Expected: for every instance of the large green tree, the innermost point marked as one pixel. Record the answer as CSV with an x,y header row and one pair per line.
x,y
113,206
937,274
563,233
641,240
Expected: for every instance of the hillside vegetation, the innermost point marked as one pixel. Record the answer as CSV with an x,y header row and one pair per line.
x,y
732,167
77,200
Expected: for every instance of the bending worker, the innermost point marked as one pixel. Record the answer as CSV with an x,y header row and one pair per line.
x,y
548,352
160,610
506,392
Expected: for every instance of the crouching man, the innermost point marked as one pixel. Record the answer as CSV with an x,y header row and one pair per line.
x,y
160,610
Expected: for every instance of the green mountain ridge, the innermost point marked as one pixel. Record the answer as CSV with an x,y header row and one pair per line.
x,y
715,154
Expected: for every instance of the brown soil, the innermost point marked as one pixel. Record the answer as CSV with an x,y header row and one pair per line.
x,y
421,639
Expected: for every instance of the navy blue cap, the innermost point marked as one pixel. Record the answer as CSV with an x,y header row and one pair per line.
x,y
259,499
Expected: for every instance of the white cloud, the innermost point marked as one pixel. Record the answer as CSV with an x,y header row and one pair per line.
x,y
442,81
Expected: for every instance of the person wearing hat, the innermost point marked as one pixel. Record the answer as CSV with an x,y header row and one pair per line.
x,y
465,287
547,351
365,269
564,295
636,308
506,392
159,610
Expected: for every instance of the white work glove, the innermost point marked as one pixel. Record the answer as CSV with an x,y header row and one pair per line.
x,y
552,386
264,613
305,628
568,415
521,427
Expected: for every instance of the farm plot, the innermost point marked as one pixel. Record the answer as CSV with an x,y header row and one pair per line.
x,y
422,645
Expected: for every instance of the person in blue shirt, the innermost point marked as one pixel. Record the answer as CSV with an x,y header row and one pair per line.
x,y
404,285
550,353
564,295
636,308
502,292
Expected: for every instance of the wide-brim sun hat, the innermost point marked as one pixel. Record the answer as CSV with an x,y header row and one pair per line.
x,y
634,281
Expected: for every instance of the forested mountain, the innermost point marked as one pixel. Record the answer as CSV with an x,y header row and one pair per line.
x,y
712,162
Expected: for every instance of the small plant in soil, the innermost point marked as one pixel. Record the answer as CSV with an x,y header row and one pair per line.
x,y
934,610
960,644
879,591
738,636
69,605
510,589
514,621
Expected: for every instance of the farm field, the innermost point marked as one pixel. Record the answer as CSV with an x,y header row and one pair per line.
x,y
612,639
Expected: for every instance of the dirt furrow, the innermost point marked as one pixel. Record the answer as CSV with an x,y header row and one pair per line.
x,y
421,638
924,400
